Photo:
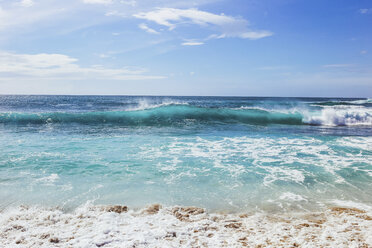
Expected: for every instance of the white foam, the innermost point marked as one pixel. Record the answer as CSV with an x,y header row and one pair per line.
x,y
292,197
90,226
144,104
279,157
281,173
352,204
48,179
361,143
340,116
243,166
255,108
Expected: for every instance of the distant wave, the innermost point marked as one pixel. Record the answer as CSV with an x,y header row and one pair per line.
x,y
364,102
180,114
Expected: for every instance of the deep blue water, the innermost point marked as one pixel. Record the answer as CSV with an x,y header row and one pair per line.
x,y
223,153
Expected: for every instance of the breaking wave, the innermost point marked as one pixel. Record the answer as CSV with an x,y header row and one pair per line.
x,y
180,114
341,117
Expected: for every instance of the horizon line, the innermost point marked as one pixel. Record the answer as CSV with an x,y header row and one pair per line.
x,y
134,95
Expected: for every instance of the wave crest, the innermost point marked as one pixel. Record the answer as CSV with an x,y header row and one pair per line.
x,y
167,114
340,117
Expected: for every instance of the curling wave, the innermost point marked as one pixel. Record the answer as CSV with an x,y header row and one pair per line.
x,y
171,114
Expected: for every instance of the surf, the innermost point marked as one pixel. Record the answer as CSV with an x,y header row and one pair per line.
x,y
181,114
161,115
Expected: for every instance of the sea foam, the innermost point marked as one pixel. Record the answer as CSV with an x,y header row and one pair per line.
x,y
116,226
336,116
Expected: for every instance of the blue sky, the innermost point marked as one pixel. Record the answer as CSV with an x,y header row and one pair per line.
x,y
178,47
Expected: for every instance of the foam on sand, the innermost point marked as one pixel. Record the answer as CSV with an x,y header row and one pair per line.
x,y
155,226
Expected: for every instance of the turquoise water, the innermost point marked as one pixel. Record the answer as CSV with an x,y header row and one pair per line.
x,y
222,153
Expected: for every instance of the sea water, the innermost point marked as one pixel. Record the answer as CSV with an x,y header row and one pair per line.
x,y
221,153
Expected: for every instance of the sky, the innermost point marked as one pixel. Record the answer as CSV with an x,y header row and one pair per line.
x,y
178,47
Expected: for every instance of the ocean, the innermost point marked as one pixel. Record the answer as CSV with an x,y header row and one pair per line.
x,y
66,156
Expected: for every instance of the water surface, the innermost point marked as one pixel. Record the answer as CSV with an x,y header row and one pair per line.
x,y
222,153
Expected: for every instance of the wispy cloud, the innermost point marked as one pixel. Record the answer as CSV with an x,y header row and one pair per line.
x,y
365,11
143,26
192,43
227,26
252,35
59,66
23,16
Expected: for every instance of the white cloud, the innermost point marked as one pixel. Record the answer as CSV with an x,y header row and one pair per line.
x,y
228,26
98,1
59,66
170,16
363,52
26,3
143,26
365,11
192,43
254,35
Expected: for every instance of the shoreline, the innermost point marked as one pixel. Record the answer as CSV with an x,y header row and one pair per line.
x,y
157,226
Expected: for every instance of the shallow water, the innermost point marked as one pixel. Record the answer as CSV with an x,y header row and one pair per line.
x,y
221,153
